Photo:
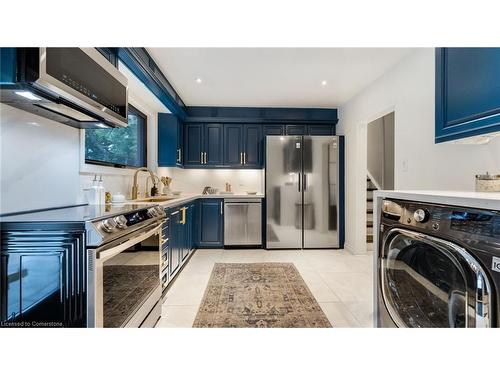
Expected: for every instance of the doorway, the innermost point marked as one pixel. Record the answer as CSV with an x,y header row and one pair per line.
x,y
380,165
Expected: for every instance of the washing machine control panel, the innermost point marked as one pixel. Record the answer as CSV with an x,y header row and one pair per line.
x,y
459,220
480,223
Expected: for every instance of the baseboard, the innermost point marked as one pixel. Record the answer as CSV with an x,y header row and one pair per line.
x,y
349,248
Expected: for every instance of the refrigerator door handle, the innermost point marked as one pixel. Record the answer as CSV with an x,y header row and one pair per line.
x,y
298,185
304,182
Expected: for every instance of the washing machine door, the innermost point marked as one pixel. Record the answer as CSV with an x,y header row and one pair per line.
x,y
430,282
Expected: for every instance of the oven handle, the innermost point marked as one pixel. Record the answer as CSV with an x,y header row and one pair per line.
x,y
109,253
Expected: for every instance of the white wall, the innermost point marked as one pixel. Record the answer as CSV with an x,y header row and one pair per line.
x,y
407,89
194,180
39,162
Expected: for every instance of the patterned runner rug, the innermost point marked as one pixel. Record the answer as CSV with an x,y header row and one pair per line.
x,y
258,295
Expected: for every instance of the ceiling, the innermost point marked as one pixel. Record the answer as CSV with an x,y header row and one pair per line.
x,y
273,77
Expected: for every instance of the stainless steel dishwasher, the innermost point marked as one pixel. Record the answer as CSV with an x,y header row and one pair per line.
x,y
243,222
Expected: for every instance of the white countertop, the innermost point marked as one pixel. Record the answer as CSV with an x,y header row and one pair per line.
x,y
184,198
454,198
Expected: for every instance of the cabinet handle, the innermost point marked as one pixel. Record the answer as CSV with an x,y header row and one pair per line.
x,y
183,220
201,157
244,158
241,157
205,154
221,209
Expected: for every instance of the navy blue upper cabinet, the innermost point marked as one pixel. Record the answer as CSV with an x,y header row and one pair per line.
x,y
320,130
203,145
213,146
233,145
243,145
210,223
253,146
274,130
170,139
296,130
467,92
193,144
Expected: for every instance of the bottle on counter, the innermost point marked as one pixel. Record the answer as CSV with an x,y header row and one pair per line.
x,y
101,191
93,192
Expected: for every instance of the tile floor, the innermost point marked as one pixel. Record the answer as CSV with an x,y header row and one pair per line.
x,y
342,283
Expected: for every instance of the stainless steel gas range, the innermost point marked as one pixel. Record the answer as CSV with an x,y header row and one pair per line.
x,y
93,266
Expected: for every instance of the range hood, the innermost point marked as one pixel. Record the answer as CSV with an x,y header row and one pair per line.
x,y
74,86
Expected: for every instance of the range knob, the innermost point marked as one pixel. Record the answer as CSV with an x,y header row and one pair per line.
x,y
121,222
108,225
420,215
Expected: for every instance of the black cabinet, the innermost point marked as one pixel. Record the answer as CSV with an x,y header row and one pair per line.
x,y
210,223
43,278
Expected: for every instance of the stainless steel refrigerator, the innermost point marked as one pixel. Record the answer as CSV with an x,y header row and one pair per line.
x,y
304,192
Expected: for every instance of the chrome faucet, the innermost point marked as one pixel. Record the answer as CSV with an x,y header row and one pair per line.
x,y
135,186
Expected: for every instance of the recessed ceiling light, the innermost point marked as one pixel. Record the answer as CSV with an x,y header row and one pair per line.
x,y
198,80
324,83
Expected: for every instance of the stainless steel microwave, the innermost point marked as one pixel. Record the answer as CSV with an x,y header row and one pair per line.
x,y
76,86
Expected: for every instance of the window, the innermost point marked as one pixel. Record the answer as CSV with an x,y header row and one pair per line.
x,y
119,147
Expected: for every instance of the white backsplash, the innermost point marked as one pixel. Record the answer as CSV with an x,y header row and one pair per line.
x,y
194,180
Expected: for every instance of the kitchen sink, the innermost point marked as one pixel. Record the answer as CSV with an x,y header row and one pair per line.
x,y
155,199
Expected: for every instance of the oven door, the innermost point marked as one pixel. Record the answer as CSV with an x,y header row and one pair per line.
x,y
430,282
124,280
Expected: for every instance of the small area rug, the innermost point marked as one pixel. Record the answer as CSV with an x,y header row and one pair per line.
x,y
252,295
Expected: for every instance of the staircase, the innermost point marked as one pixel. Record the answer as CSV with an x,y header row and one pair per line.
x,y
370,188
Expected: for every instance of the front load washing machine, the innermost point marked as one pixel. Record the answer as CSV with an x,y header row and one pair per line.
x,y
437,266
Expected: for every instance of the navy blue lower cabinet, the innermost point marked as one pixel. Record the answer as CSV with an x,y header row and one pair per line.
x,y
467,92
192,226
170,139
210,223
175,241
43,278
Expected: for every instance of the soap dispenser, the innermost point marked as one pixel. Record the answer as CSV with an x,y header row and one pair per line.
x,y
93,196
101,191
